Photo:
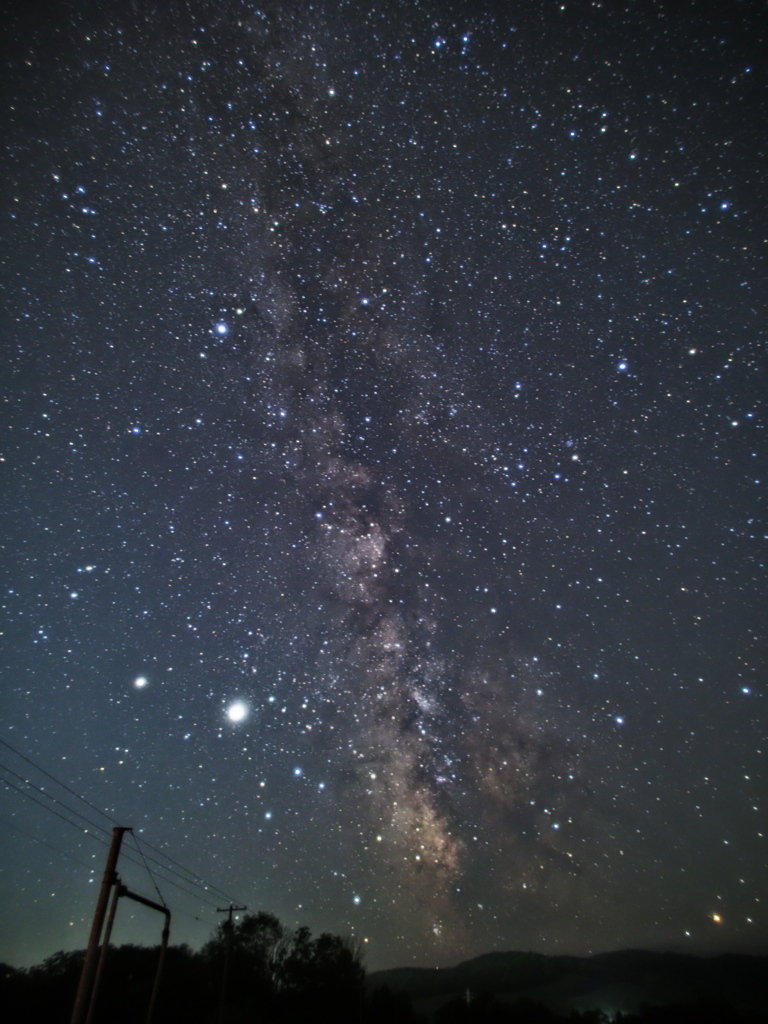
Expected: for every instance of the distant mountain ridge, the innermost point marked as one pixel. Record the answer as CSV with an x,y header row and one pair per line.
x,y
612,982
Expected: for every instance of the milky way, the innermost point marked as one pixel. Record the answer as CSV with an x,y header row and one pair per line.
x,y
384,467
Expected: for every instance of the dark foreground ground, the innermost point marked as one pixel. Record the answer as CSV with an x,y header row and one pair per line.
x,y
326,986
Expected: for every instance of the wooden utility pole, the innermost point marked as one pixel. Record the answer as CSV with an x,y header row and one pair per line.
x,y
227,948
85,988
104,949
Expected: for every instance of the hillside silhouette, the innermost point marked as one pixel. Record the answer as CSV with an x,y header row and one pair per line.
x,y
277,976
626,982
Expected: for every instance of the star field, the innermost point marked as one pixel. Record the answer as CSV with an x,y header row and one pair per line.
x,y
384,468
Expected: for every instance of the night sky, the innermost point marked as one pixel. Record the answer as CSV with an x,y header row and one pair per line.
x,y
384,471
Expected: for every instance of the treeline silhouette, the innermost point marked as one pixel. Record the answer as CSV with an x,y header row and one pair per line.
x,y
254,970
257,972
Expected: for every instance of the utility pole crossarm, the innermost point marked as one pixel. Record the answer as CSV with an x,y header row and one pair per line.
x,y
125,891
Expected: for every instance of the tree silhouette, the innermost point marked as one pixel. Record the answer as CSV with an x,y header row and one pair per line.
x,y
286,975
322,979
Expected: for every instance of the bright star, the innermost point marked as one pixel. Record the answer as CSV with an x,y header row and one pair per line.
x,y
238,711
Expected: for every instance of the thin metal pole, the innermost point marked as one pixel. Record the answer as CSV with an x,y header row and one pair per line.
x,y
124,891
160,963
85,988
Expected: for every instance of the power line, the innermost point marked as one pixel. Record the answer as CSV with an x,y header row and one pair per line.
x,y
52,810
170,881
54,799
194,879
149,872
207,885
57,781
42,842
105,842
